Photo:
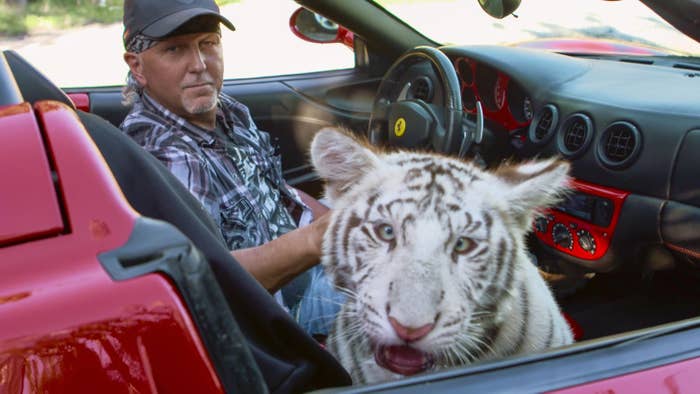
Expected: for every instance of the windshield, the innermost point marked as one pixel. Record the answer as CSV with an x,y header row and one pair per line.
x,y
464,22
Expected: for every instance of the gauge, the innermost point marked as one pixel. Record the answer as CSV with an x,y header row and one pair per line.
x,y
499,91
527,108
485,80
519,103
465,72
468,99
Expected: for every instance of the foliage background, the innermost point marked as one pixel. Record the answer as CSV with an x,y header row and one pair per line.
x,y
22,17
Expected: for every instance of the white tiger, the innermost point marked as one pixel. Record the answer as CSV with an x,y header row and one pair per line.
x,y
431,252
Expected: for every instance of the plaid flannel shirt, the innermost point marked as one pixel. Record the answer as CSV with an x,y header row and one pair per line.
x,y
237,179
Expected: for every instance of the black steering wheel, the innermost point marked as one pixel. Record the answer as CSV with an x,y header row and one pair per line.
x,y
404,113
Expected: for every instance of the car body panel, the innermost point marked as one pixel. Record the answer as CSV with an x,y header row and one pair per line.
x,y
21,143
615,360
681,377
79,334
73,328
81,101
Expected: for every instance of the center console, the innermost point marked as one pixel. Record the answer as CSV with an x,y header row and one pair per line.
x,y
582,225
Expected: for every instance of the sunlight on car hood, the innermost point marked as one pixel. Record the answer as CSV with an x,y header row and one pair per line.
x,y
628,21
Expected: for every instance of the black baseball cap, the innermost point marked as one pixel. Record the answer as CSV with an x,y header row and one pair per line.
x,y
158,18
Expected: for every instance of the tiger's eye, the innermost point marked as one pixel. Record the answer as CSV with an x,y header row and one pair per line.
x,y
385,232
464,245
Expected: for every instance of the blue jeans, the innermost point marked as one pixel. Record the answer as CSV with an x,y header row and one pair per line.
x,y
318,307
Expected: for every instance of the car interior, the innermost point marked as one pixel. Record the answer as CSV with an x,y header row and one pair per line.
x,y
621,251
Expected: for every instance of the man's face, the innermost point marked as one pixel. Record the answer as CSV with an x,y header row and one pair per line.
x,y
185,73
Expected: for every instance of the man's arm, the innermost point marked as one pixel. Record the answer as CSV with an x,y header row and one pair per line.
x,y
277,262
274,263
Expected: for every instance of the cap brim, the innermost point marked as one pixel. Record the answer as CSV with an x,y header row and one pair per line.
x,y
164,26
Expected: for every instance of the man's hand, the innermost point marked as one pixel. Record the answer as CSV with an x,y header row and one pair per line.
x,y
277,262
317,230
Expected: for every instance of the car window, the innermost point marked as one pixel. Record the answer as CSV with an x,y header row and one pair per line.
x,y
262,45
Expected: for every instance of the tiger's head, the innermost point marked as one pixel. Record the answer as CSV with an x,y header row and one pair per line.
x,y
425,245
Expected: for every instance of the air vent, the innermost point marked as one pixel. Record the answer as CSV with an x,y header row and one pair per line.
x,y
544,124
575,135
619,145
422,89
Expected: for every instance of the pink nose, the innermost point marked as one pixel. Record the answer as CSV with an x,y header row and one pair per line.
x,y
410,334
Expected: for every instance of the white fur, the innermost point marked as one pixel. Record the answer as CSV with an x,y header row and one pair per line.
x,y
420,280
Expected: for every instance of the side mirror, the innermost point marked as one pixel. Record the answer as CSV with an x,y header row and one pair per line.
x,y
499,8
312,27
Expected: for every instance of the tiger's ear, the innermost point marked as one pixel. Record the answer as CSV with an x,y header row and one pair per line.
x,y
534,185
340,160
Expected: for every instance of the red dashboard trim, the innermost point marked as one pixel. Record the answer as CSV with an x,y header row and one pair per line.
x,y
601,235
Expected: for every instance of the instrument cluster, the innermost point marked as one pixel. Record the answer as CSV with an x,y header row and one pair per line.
x,y
502,99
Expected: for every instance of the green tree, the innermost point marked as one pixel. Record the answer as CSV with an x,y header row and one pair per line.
x,y
21,4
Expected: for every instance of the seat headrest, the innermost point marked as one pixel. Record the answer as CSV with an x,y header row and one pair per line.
x,y
34,85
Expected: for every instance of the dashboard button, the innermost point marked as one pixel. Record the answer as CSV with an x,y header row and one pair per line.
x,y
541,224
562,236
586,241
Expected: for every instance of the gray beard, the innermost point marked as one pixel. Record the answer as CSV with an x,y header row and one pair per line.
x,y
202,108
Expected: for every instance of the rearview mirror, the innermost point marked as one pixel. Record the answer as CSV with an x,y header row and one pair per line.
x,y
499,8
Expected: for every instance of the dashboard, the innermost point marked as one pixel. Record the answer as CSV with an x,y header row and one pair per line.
x,y
629,126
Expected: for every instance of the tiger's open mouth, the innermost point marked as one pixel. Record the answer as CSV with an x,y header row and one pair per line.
x,y
402,359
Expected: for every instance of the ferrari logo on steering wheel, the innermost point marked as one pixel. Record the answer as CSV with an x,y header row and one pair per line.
x,y
400,127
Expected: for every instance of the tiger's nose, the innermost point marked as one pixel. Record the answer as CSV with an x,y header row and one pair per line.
x,y
410,334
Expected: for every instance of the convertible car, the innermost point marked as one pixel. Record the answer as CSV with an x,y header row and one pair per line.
x,y
112,278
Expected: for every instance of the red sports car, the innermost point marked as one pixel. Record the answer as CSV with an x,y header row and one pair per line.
x,y
112,278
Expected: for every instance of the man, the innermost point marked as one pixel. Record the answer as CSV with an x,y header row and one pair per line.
x,y
210,142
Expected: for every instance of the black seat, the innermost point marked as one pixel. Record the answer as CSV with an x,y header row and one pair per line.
x,y
289,359
32,83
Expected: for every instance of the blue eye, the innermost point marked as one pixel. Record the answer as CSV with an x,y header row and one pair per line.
x,y
385,232
464,245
